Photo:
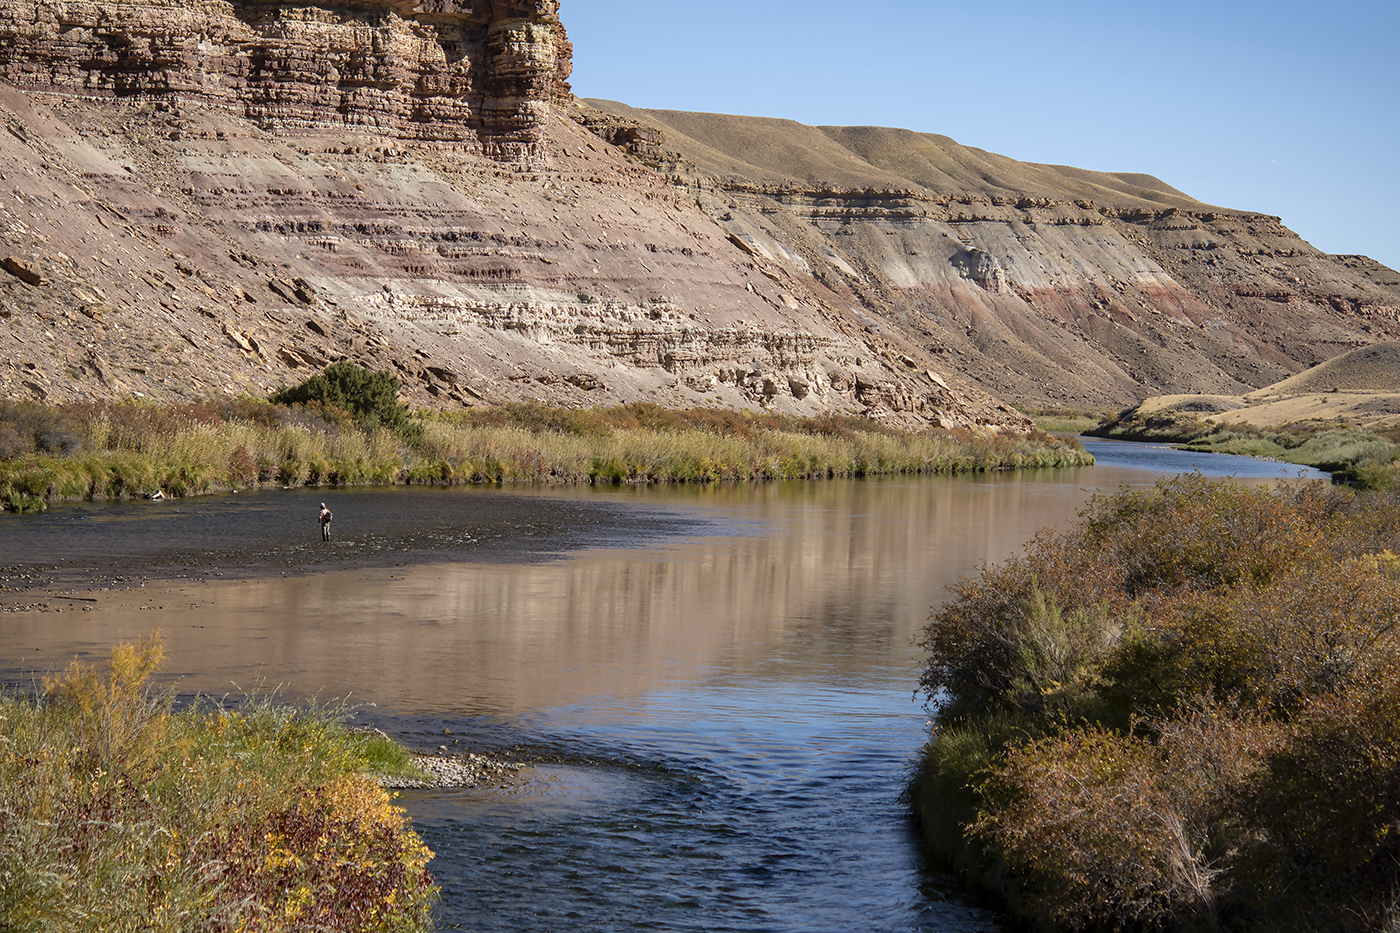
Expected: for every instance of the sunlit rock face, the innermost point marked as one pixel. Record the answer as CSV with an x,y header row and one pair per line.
x,y
477,72
218,198
1049,285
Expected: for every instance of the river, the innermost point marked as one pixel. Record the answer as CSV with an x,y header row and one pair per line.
x,y
712,687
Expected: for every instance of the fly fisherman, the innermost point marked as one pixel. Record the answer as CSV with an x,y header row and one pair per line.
x,y
325,517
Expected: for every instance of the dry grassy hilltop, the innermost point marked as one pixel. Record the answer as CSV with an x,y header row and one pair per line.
x,y
217,198
1361,387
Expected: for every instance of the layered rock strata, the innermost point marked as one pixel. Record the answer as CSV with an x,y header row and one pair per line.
x,y
218,198
181,252
1049,285
482,72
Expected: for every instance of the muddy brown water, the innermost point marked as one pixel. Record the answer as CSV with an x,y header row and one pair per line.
x,y
713,687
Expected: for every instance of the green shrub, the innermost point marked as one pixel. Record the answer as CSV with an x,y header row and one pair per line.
x,y
372,397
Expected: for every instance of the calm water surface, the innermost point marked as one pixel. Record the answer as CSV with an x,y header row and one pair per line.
x,y
713,688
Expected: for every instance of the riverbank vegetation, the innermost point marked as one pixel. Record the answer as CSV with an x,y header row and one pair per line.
x,y
1065,420
1181,714
120,812
1360,457
326,434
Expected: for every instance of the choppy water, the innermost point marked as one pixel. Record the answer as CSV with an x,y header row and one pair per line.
x,y
713,687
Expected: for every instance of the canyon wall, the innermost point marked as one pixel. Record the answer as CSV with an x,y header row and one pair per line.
x,y
480,72
217,198
220,198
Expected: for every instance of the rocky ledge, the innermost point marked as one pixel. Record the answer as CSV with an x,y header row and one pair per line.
x,y
482,72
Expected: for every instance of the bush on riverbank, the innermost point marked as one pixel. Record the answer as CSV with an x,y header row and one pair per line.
x,y
128,449
1355,456
1183,713
371,397
119,812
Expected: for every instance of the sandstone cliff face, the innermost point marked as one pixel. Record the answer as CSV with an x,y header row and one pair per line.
x,y
218,199
211,198
482,72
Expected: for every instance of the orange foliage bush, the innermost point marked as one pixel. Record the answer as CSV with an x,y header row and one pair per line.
x,y
1190,712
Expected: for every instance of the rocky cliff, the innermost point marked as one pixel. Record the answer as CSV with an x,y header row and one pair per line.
x,y
222,197
214,197
481,72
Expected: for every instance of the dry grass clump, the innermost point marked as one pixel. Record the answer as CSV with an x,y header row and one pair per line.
x,y
119,812
1183,713
116,450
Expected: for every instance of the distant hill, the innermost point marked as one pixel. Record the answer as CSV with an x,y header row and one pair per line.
x,y
1360,387
1366,369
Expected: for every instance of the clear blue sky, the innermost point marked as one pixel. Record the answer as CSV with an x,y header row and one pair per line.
x,y
1285,107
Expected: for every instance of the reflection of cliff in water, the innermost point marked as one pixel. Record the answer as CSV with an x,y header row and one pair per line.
x,y
802,580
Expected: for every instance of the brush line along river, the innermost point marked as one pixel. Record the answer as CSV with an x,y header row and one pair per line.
x,y
712,687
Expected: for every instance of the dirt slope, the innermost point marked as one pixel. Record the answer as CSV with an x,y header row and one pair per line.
x,y
1361,387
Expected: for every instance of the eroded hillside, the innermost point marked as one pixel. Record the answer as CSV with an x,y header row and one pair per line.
x,y
1043,284
218,198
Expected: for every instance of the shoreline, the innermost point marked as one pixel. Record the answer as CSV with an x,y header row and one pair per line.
x,y
446,769
464,770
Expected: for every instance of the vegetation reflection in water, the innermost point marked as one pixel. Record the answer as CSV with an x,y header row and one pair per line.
x,y
749,685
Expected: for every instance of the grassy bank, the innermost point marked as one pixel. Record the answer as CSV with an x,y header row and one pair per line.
x,y
1356,456
1181,714
1066,420
119,812
133,449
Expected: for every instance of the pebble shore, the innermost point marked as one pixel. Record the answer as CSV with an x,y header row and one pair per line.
x,y
465,770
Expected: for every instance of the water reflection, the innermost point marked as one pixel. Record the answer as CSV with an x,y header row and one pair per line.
x,y
715,683
788,581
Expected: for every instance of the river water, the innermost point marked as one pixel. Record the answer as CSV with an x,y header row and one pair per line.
x,y
711,687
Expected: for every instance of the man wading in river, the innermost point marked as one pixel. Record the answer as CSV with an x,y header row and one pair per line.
x,y
325,522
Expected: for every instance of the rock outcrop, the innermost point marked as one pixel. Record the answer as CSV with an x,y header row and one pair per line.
x,y
165,240
1049,285
483,72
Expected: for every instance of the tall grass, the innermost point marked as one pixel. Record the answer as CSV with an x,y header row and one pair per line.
x,y
120,812
131,450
